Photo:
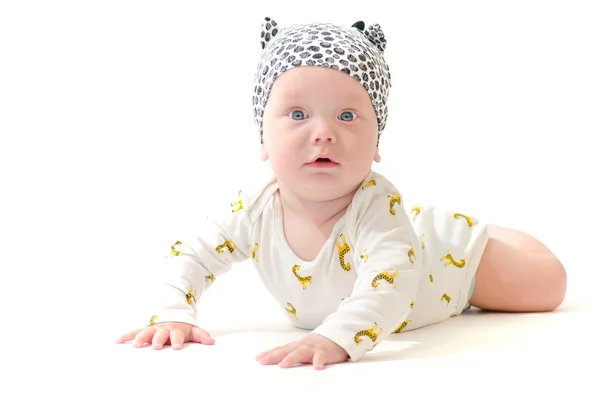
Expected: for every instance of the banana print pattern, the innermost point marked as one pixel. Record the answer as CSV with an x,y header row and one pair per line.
x,y
303,280
446,298
385,276
372,182
254,250
237,205
291,310
371,333
417,210
343,249
435,290
364,256
227,244
174,251
401,327
450,261
470,221
394,199
190,296
411,253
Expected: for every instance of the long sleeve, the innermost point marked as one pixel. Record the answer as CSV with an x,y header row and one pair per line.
x,y
194,263
387,277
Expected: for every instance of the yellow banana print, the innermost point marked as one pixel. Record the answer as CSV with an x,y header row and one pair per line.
x,y
343,249
389,277
416,209
190,296
291,310
411,253
470,220
303,280
227,244
372,182
364,256
237,205
254,249
401,327
450,261
174,251
394,199
446,298
371,333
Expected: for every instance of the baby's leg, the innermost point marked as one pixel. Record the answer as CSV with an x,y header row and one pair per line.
x,y
518,273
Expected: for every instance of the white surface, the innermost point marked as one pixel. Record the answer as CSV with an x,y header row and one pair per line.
x,y
472,355
117,132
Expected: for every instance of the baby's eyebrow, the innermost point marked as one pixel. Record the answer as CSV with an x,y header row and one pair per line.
x,y
293,95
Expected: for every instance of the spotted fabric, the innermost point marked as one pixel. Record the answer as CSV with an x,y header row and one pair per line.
x,y
353,50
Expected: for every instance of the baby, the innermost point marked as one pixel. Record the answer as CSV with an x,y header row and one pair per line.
x,y
332,240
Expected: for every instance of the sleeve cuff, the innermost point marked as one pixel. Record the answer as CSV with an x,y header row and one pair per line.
x,y
175,316
355,345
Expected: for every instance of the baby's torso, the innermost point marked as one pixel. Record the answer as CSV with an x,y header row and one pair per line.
x,y
309,290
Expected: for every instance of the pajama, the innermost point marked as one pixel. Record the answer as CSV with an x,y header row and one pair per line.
x,y
383,270
453,244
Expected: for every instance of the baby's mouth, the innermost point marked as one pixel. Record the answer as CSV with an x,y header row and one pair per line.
x,y
323,162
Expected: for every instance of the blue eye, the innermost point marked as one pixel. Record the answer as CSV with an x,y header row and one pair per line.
x,y
298,115
346,116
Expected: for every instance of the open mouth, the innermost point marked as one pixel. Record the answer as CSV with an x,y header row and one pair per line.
x,y
323,162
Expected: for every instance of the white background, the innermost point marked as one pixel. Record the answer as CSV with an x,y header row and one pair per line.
x,y
123,122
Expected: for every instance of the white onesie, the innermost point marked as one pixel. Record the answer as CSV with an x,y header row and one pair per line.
x,y
383,269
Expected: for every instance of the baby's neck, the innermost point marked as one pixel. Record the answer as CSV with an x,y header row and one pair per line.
x,y
317,212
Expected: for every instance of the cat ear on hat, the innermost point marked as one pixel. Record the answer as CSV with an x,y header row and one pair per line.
x,y
374,33
376,36
268,30
360,25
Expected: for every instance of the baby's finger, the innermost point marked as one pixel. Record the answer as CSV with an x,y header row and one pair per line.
x,y
177,339
277,355
297,356
201,336
143,336
319,359
128,336
267,352
161,336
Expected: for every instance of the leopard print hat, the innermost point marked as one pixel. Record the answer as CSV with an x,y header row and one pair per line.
x,y
353,50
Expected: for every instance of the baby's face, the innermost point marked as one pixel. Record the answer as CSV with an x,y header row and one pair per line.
x,y
316,112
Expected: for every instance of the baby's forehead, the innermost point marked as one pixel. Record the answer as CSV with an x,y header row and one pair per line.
x,y
308,81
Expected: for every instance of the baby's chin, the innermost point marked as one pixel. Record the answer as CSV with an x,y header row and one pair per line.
x,y
327,189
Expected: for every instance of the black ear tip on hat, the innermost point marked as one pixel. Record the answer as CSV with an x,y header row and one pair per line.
x,y
360,25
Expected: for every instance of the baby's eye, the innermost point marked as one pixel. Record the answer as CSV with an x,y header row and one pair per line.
x,y
346,116
298,115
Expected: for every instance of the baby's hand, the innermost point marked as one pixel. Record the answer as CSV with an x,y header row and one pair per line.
x,y
312,349
160,334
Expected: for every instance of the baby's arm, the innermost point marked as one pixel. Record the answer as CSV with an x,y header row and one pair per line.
x,y
387,281
196,262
